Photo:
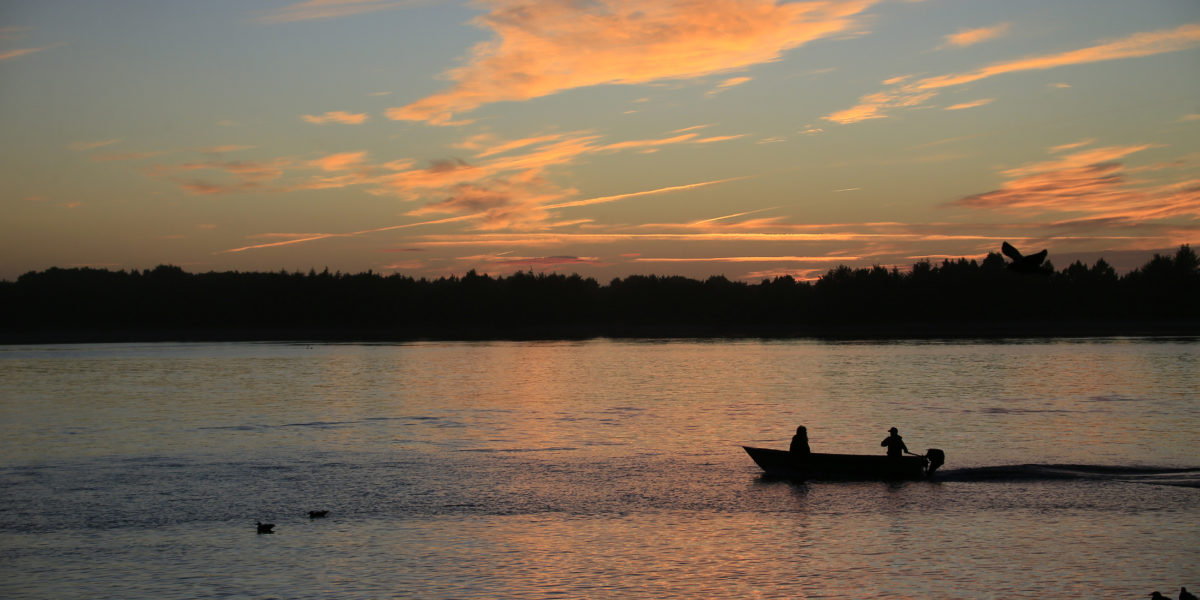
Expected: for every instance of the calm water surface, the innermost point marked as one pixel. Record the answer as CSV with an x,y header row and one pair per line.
x,y
596,469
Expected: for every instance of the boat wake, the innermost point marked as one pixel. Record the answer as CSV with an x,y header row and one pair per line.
x,y
1181,477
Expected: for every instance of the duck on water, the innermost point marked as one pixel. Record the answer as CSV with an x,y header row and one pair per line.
x,y
799,463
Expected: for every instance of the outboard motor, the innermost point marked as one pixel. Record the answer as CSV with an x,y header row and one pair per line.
x,y
936,459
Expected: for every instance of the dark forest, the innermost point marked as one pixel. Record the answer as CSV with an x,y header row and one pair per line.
x,y
956,298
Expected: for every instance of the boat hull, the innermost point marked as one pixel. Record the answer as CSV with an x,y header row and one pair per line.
x,y
781,463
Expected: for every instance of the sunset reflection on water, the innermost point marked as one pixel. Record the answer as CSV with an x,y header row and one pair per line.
x,y
594,469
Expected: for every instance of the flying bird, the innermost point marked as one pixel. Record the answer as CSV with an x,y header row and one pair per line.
x,y
317,514
265,527
1021,263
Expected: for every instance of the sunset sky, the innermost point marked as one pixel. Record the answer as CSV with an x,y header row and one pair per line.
x,y
744,138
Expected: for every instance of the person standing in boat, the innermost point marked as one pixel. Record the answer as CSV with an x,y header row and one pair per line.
x,y
799,447
895,444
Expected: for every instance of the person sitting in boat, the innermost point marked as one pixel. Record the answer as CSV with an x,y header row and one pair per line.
x,y
895,444
800,442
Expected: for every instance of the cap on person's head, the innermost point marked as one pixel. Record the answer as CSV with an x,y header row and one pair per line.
x,y
893,430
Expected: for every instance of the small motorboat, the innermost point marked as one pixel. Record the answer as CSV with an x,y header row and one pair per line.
x,y
781,463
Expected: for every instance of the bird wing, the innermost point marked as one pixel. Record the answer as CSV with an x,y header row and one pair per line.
x,y
1010,252
1036,259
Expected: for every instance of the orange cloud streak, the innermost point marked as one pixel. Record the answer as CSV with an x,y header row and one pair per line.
x,y
1136,45
906,94
337,116
738,259
1090,182
545,47
971,104
970,37
614,198
327,9
11,54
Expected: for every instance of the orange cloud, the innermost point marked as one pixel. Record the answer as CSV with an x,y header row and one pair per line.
x,y
872,106
739,259
907,94
230,176
11,54
615,197
545,47
535,261
337,116
327,9
1071,146
1136,45
1093,183
339,162
498,203
501,148
225,148
728,83
970,37
971,104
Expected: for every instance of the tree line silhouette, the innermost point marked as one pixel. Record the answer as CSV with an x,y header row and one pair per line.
x,y
957,297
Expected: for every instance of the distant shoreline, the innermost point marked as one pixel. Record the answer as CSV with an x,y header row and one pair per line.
x,y
962,299
996,330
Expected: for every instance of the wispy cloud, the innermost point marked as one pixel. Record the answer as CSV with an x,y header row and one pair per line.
x,y
653,192
498,205
755,259
905,93
971,104
11,54
545,47
328,9
224,149
534,261
222,177
341,161
337,116
728,83
1092,183
1071,146
970,37
1133,46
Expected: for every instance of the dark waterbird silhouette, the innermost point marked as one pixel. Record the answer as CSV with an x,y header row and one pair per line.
x,y
1183,595
1021,263
318,514
265,527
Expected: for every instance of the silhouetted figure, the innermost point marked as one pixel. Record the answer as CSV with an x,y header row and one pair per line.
x,y
1157,596
799,447
895,444
265,527
1186,595
318,514
1021,263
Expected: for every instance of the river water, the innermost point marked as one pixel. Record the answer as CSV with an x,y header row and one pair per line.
x,y
596,469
